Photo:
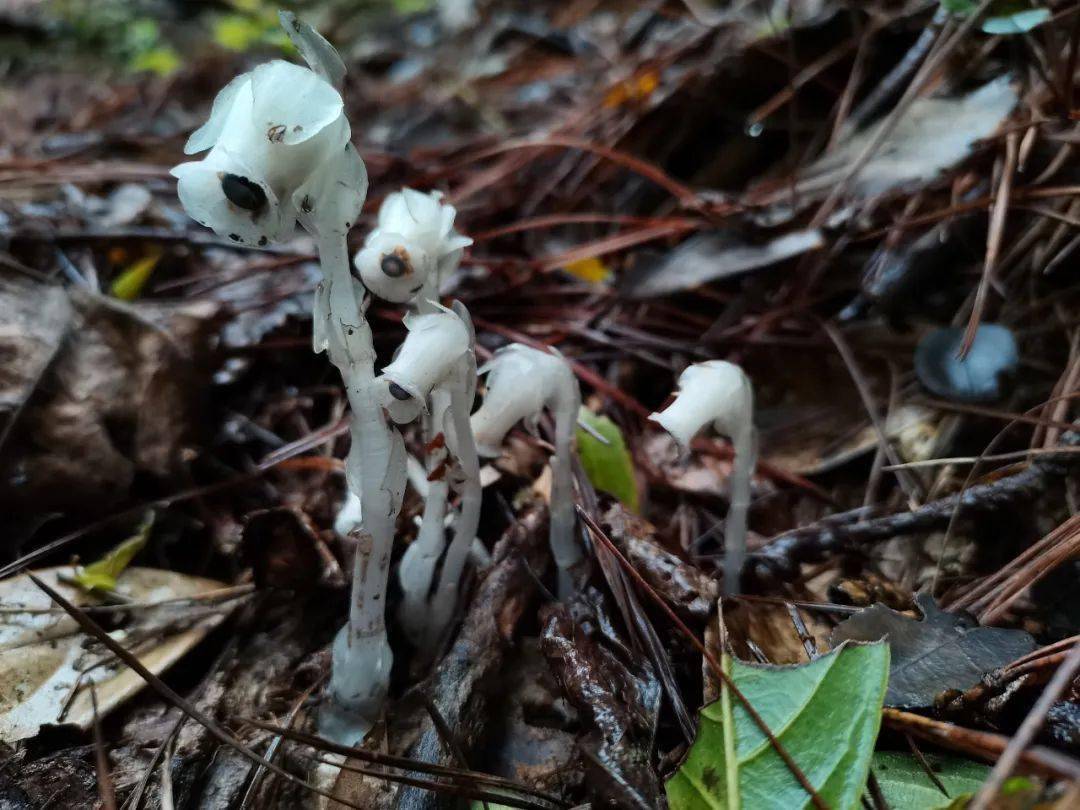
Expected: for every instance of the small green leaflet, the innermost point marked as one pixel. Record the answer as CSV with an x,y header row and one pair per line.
x,y
102,575
609,466
905,784
825,713
1003,17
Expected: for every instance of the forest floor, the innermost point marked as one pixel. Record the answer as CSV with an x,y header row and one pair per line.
x,y
870,207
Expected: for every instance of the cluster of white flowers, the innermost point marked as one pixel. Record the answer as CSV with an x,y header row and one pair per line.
x,y
279,152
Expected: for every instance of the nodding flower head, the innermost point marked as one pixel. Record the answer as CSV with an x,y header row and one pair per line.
x,y
279,151
521,382
714,391
413,246
431,353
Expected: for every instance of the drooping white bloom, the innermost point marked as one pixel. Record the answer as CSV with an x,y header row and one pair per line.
x,y
413,247
522,381
279,151
431,353
714,391
720,392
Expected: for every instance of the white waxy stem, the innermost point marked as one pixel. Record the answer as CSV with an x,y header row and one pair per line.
x,y
434,372
522,381
412,249
720,393
279,152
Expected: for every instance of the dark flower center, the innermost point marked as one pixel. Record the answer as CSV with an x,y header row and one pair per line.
x,y
242,192
394,265
399,393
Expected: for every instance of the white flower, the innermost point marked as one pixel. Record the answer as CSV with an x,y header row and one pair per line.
x,y
522,381
714,391
279,151
720,392
431,353
413,246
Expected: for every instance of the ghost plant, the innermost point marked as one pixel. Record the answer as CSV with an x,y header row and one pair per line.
x,y
279,152
522,381
720,393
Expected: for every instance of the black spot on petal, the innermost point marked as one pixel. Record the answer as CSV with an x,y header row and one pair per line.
x,y
243,193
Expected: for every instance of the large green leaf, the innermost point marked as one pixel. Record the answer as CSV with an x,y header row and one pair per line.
x,y
905,784
609,466
825,713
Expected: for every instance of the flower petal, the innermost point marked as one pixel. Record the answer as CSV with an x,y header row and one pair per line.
x,y
316,51
203,197
331,198
292,103
394,214
224,103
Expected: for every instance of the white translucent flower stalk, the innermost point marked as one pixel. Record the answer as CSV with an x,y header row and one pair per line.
x,y
720,393
280,152
522,381
435,372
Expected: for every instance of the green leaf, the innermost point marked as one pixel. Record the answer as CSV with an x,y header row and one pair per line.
x,y
163,61
609,466
1017,22
240,32
129,284
1003,17
825,713
102,575
904,782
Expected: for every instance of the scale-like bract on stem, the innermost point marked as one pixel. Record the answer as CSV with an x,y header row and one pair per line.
x,y
720,393
522,381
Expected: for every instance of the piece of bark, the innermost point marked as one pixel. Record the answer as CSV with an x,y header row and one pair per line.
x,y
686,587
618,703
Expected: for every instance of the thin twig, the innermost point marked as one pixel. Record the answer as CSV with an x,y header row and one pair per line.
x,y
1027,731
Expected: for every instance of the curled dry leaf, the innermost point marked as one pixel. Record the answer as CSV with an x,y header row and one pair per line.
x,y
116,398
932,136
941,652
45,659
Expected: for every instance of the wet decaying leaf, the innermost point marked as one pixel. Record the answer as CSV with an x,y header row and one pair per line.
x,y
117,398
619,698
712,256
940,652
935,134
